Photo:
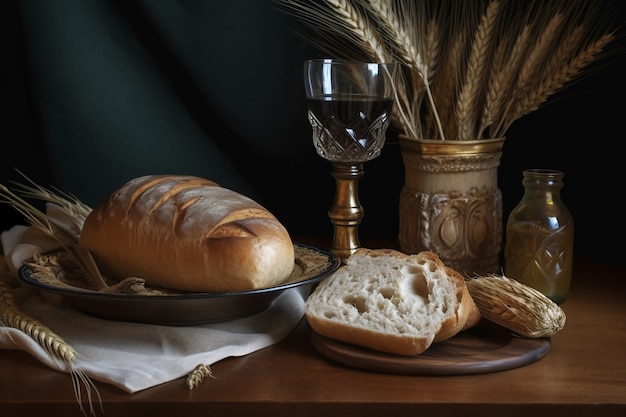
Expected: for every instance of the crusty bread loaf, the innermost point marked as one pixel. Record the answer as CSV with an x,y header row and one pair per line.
x,y
391,302
188,233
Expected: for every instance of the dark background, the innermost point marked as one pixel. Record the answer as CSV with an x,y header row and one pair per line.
x,y
100,92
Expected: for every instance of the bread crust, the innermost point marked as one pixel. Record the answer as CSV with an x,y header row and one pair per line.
x,y
390,343
326,314
467,313
188,233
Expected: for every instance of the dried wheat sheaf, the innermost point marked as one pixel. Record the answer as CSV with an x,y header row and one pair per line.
x,y
470,68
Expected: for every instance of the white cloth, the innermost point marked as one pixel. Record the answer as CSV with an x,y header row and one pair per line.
x,y
136,356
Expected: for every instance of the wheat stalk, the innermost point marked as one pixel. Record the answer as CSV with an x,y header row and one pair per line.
x,y
11,316
406,44
55,346
66,235
475,75
495,88
353,23
538,52
516,306
446,85
558,79
500,80
502,59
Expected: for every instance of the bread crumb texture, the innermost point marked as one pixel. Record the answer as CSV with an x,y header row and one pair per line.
x,y
384,297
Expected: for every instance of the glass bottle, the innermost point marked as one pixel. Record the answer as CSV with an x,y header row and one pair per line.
x,y
540,236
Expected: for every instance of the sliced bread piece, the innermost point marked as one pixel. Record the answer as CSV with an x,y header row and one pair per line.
x,y
392,302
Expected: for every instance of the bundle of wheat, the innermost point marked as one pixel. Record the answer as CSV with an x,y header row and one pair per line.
x,y
470,69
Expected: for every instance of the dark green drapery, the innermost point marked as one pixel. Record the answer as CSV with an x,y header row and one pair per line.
x,y
99,92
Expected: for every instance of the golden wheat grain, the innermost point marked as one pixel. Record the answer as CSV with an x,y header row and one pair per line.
x,y
518,307
507,75
198,375
432,47
537,53
353,22
557,80
503,80
566,49
472,86
350,23
506,61
406,47
431,52
67,235
445,47
340,19
407,51
495,87
11,316
445,89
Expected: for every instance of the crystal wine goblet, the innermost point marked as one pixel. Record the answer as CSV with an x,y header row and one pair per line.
x,y
349,107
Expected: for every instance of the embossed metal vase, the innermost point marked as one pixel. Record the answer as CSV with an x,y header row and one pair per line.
x,y
451,204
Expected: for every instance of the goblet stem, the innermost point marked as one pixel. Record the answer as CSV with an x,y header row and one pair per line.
x,y
346,212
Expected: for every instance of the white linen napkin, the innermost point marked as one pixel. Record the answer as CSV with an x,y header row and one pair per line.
x,y
135,356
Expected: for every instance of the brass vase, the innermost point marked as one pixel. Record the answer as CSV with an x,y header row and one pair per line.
x,y
450,202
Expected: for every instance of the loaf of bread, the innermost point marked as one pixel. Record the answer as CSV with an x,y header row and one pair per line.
x,y
392,302
188,233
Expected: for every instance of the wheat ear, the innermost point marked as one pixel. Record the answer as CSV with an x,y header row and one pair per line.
x,y
538,53
431,51
66,236
535,54
10,315
505,63
55,346
198,375
445,89
551,84
518,307
495,87
351,22
465,91
406,48
468,101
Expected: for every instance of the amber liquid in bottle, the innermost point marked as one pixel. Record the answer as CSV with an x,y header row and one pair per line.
x,y
540,237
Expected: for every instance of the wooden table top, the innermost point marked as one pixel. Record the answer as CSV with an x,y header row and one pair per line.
x,y
584,374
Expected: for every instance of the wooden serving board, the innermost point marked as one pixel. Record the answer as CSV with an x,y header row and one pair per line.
x,y
485,348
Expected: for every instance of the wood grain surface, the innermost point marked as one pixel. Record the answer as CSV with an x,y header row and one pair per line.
x,y
483,349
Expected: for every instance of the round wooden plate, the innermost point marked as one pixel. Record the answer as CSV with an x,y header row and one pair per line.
x,y
485,348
